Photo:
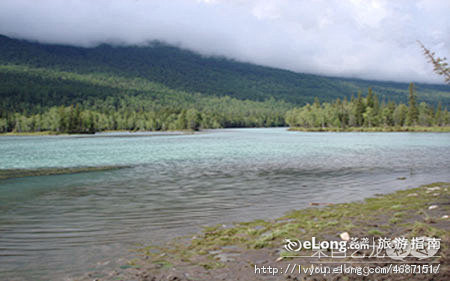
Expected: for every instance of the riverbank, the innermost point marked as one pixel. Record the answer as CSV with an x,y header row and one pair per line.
x,y
438,129
434,129
43,133
232,252
102,133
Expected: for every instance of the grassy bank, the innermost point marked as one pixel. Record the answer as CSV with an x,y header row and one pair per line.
x,y
20,173
52,133
437,129
444,129
43,133
230,252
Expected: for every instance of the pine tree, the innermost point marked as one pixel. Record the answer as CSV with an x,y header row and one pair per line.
x,y
438,115
369,98
413,112
63,125
360,108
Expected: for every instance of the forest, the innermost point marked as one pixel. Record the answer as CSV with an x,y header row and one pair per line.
x,y
187,71
136,113
34,100
368,112
77,119
69,89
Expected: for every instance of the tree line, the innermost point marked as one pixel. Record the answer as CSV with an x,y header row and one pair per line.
x,y
226,112
37,99
75,119
368,112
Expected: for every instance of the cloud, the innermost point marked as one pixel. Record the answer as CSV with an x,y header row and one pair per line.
x,y
373,39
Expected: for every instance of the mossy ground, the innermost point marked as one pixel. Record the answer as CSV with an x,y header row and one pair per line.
x,y
229,252
436,129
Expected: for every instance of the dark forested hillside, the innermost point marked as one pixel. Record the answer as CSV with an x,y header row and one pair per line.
x,y
187,71
153,86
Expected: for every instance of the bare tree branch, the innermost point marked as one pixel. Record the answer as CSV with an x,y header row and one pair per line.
x,y
440,64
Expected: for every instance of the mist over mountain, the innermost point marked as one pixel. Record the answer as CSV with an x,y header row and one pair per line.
x,y
374,39
190,72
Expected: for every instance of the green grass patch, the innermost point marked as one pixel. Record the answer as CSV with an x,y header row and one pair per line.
x,y
438,129
380,216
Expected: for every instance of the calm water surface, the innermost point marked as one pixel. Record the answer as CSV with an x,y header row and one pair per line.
x,y
59,226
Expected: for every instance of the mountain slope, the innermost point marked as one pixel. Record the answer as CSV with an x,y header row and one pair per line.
x,y
192,73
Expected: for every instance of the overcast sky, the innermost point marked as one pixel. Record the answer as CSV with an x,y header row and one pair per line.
x,y
374,39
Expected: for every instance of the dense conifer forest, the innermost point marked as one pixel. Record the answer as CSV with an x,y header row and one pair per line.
x,y
368,112
70,89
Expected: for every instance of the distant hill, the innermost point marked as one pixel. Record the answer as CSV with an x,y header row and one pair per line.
x,y
47,75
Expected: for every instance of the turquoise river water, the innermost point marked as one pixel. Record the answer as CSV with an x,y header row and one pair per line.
x,y
61,226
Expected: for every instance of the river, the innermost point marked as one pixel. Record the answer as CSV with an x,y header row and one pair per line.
x,y
59,226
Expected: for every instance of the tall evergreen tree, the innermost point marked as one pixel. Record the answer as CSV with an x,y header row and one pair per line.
x,y
369,99
360,108
438,115
413,112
